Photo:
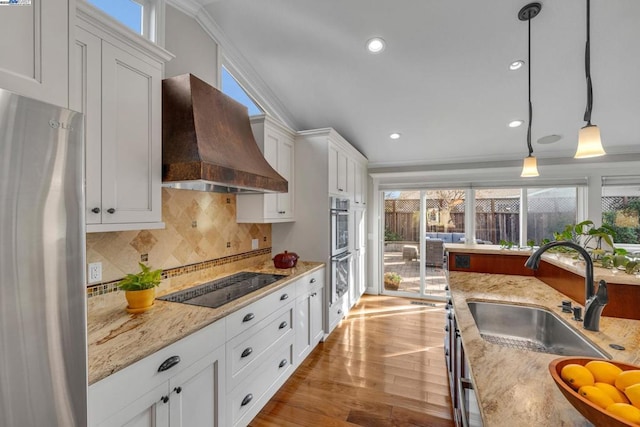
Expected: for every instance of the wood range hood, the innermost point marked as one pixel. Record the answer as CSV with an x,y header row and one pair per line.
x,y
207,142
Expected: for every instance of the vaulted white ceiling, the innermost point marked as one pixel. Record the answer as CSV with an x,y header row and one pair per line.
x,y
443,80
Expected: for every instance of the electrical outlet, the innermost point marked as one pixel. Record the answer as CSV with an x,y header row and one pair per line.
x,y
254,244
95,272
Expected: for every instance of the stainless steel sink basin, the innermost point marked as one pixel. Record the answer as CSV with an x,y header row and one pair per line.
x,y
530,328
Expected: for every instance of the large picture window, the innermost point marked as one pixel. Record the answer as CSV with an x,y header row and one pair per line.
x,y
549,210
621,208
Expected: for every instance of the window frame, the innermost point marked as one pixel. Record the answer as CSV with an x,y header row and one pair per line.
x,y
152,15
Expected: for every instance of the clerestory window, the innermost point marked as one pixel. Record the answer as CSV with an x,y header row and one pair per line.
x,y
231,87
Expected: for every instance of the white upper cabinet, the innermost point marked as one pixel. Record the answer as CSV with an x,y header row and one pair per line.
x,y
117,84
277,145
338,167
360,184
34,50
346,171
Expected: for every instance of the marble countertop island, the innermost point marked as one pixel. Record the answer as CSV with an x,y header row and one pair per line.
x,y
116,339
514,387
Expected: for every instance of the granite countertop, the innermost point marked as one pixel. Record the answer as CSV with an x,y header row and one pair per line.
x,y
116,339
513,386
564,261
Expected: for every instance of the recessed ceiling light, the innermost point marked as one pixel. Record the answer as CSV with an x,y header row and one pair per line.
x,y
375,45
549,139
516,65
516,123
394,135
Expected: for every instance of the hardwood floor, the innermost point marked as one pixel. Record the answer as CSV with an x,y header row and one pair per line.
x,y
384,366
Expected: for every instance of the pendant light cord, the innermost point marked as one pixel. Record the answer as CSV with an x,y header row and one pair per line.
x,y
530,107
587,68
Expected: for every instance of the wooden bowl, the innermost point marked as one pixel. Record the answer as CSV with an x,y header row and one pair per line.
x,y
590,411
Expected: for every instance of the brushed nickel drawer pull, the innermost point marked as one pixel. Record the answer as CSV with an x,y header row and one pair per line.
x,y
283,363
283,325
284,297
249,317
247,351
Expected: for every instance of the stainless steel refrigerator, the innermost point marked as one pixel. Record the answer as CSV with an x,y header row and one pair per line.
x,y
43,350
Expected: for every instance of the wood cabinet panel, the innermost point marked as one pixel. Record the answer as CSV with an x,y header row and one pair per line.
x,y
623,299
489,263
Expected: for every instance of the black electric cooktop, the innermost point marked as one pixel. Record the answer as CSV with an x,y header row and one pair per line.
x,y
221,291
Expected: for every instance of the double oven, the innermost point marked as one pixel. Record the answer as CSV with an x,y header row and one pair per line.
x,y
340,255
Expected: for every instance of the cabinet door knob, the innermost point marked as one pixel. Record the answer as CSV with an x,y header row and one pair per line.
x,y
248,398
164,399
247,351
282,325
169,363
339,312
249,317
283,363
111,210
95,210
284,297
178,389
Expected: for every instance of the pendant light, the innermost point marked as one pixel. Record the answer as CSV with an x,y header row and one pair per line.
x,y
530,164
589,142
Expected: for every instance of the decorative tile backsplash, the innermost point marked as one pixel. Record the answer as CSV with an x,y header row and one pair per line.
x,y
201,229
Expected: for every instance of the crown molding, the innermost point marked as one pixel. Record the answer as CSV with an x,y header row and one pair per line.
x,y
188,7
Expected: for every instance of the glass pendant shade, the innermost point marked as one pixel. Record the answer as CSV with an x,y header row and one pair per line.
x,y
529,167
589,143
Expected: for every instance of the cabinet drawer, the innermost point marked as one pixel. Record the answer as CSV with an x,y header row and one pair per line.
x,y
337,312
116,391
308,283
252,314
246,400
250,349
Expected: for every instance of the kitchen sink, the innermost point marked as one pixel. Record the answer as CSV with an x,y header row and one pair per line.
x,y
530,328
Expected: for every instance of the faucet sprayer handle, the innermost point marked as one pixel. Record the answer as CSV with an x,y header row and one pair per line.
x,y
602,294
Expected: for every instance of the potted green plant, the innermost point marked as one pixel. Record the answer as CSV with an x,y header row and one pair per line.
x,y
140,288
392,281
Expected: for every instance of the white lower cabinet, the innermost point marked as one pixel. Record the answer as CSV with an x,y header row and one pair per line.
x,y
247,399
337,311
146,411
164,388
309,320
197,393
225,373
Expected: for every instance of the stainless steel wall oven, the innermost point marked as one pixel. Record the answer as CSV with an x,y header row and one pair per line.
x,y
340,255
339,226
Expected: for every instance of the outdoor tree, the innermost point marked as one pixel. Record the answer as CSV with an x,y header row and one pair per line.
x,y
445,202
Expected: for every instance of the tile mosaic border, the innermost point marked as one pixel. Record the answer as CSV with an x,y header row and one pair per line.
x,y
112,286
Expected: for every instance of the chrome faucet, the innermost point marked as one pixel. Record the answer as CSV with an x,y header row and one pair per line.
x,y
594,302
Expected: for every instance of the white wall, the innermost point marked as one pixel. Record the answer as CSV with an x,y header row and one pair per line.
x,y
195,51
